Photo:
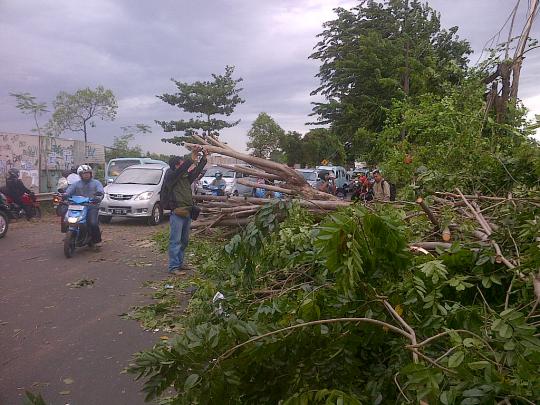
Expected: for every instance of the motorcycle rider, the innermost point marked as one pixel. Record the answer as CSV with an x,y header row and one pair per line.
x,y
73,177
63,184
93,189
15,188
219,183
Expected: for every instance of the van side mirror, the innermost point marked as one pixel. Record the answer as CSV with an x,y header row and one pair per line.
x,y
109,181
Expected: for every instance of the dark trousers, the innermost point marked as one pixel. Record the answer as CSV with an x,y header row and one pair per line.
x,y
26,208
92,220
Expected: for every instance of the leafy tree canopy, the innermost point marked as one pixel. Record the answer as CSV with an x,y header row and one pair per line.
x,y
76,112
206,100
28,104
121,144
264,136
375,53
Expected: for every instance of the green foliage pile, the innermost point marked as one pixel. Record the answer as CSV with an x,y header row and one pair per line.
x,y
324,313
454,143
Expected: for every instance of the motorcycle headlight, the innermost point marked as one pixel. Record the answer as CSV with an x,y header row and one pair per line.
x,y
73,220
145,196
228,187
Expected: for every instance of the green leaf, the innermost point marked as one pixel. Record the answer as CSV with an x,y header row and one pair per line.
x,y
456,359
191,381
478,365
505,331
510,345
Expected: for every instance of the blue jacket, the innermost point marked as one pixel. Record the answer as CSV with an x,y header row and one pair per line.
x,y
85,189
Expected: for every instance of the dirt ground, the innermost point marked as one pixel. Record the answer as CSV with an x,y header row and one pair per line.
x,y
67,343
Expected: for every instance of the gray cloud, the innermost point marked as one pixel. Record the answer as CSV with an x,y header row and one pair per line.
x,y
134,48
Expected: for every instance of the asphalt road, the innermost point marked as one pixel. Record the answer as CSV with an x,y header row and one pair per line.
x,y
70,344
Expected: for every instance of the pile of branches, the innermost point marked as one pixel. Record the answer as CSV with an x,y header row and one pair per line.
x,y
230,211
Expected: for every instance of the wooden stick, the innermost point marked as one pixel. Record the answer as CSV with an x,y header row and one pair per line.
x,y
281,169
479,217
266,186
430,245
303,202
251,172
420,201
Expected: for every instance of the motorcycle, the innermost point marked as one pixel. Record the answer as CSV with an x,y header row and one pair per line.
x,y
29,202
4,216
216,190
75,225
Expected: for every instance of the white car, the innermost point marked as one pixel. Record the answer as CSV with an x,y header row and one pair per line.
x,y
231,178
135,194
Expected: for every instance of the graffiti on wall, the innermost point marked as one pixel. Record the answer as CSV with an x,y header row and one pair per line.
x,y
40,157
20,152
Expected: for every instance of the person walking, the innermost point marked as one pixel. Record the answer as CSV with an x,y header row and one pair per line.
x,y
178,179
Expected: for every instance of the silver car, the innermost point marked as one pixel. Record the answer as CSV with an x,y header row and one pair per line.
x,y
134,193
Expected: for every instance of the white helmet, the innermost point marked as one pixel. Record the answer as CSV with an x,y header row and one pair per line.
x,y
84,169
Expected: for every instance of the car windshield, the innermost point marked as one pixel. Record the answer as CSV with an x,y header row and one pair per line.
x,y
139,176
213,170
309,176
115,168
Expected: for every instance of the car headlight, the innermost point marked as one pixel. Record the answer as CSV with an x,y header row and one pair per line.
x,y
73,220
145,196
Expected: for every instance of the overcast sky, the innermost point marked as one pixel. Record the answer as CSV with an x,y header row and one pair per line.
x,y
134,47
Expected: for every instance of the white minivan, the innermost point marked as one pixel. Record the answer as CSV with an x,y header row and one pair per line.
x,y
116,166
135,193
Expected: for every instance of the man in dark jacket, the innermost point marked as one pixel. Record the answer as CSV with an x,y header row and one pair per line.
x,y
15,189
178,179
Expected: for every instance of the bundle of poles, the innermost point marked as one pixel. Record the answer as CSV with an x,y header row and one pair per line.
x,y
237,210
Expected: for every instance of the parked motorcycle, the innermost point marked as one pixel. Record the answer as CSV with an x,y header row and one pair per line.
x,y
4,216
29,203
77,234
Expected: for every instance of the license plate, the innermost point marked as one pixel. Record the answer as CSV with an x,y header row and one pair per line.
x,y
120,211
75,207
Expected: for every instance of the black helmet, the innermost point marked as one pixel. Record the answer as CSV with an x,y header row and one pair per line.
x,y
13,172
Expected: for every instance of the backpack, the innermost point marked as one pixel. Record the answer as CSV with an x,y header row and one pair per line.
x,y
166,196
392,190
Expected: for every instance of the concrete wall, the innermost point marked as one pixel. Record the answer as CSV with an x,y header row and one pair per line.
x,y
41,159
21,152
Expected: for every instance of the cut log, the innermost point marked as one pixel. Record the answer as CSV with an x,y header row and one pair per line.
x,y
251,172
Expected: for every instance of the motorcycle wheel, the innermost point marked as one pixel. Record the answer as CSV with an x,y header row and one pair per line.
x,y
4,224
69,244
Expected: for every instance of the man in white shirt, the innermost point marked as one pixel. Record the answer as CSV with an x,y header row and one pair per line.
x,y
73,177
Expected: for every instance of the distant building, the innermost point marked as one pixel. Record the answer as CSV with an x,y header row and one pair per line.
x,y
41,159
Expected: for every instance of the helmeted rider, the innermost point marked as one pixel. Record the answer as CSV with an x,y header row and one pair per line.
x,y
15,189
218,181
93,189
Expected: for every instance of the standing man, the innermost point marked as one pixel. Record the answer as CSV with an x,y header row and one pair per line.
x,y
381,188
178,180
